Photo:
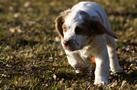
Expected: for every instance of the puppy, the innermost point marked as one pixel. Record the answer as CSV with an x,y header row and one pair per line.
x,y
85,31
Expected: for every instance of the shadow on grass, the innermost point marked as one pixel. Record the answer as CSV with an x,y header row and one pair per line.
x,y
72,75
129,73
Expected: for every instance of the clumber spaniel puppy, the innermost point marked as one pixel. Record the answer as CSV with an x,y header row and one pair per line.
x,y
85,31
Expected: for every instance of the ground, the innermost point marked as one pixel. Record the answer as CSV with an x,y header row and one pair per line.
x,y
31,56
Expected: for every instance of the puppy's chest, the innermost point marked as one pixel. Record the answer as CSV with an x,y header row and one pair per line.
x,y
86,51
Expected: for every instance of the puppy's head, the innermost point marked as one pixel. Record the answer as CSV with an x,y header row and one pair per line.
x,y
76,28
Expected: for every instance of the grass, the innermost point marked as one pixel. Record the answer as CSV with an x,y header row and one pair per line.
x,y
31,56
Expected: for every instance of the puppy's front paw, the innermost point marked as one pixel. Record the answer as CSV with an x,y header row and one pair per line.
x,y
100,82
115,72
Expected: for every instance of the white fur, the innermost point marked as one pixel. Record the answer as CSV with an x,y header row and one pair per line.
x,y
102,47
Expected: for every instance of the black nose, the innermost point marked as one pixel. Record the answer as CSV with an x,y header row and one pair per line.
x,y
66,42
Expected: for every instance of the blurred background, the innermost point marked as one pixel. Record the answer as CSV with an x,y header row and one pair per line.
x,y
31,56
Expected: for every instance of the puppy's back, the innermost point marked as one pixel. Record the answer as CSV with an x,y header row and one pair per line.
x,y
94,10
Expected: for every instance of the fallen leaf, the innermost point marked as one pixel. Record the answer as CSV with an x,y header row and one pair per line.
x,y
123,84
54,76
114,83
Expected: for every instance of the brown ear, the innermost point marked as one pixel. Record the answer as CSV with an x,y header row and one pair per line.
x,y
96,27
60,20
100,29
58,24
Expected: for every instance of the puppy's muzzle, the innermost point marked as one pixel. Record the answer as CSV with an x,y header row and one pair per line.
x,y
70,44
67,43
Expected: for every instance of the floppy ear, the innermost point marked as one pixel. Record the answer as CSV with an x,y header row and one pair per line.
x,y
58,24
60,20
100,29
96,26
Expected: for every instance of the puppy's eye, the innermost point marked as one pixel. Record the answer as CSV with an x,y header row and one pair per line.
x,y
64,29
78,30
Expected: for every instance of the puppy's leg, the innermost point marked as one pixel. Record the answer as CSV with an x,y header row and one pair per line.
x,y
102,66
87,66
114,64
78,63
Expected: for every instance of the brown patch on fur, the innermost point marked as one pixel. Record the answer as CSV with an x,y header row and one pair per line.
x,y
60,20
92,26
89,28
83,29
